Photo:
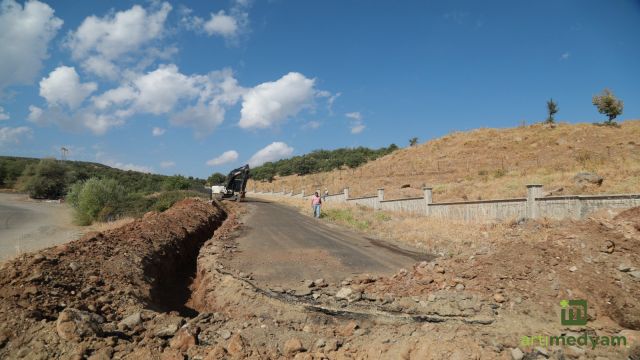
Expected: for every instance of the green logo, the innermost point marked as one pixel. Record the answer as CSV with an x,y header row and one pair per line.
x,y
574,312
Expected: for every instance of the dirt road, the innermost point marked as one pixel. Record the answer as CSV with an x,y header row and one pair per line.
x,y
27,225
281,247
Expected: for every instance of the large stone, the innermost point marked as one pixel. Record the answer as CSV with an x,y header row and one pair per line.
x,y
131,321
184,339
584,178
74,324
293,346
236,345
344,293
517,354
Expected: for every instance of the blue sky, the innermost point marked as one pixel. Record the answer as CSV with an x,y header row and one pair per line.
x,y
197,87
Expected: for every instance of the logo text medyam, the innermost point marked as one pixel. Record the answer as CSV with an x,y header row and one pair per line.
x,y
574,312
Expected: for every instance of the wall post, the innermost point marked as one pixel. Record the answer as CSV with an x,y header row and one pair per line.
x,y
533,191
302,192
428,199
380,198
346,193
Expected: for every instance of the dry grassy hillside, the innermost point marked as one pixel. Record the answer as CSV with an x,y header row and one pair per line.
x,y
493,163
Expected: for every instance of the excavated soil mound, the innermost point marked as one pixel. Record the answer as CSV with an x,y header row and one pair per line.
x,y
100,278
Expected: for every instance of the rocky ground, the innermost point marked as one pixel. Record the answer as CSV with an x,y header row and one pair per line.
x,y
122,294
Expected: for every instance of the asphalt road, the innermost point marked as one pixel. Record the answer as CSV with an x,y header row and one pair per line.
x,y
27,225
281,247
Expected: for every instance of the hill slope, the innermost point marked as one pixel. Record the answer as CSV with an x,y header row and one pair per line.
x,y
493,163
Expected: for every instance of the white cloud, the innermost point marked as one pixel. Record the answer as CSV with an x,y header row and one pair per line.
x,y
63,87
158,131
221,24
4,115
225,158
197,101
25,33
167,164
101,43
565,56
271,103
104,158
160,90
117,96
357,128
272,152
35,114
9,135
227,24
219,91
357,124
357,116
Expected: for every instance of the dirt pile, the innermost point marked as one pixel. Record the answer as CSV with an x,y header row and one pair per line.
x,y
95,287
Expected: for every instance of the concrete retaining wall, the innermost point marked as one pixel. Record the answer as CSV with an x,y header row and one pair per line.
x,y
532,207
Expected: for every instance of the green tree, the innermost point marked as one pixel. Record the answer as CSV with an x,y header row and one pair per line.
x,y
609,105
96,199
176,182
552,109
45,180
216,179
413,141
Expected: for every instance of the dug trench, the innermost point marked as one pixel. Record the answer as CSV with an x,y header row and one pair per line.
x,y
158,288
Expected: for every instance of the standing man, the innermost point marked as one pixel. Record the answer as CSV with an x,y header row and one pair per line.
x,y
316,203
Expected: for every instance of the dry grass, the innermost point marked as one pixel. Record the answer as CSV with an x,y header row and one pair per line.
x,y
492,163
436,236
104,226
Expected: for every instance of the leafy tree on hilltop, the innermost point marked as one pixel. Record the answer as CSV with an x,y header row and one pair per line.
x,y
609,105
413,141
552,109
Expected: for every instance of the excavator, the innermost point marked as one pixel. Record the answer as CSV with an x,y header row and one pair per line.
x,y
235,185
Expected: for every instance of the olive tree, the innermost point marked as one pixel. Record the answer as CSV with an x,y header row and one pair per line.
x,y
609,105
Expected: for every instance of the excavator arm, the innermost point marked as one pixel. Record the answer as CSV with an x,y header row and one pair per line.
x,y
236,183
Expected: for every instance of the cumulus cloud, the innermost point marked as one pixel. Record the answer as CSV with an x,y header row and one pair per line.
x,y
225,158
156,131
221,24
13,136
357,124
103,42
167,164
272,152
197,101
227,24
63,87
25,33
4,115
357,128
220,91
271,103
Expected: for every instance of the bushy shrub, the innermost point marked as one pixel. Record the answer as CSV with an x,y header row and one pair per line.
x,y
45,180
97,200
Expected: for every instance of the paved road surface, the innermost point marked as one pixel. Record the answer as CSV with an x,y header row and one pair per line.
x,y
282,247
27,225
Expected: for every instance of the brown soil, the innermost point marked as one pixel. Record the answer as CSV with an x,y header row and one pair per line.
x,y
123,294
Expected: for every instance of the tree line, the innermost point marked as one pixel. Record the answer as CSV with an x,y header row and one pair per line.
x,y
319,161
96,191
